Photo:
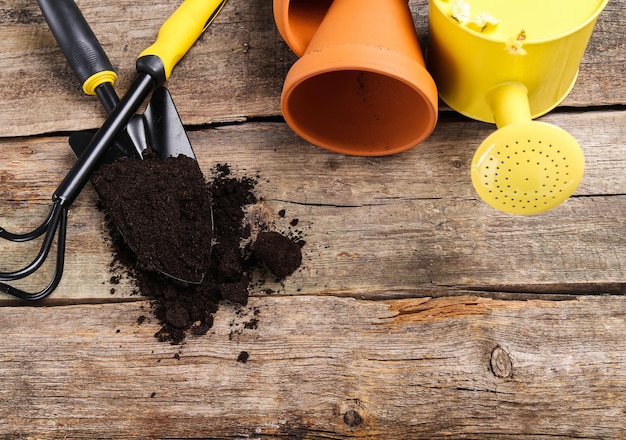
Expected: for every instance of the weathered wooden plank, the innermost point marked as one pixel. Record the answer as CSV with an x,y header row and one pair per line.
x,y
396,226
235,72
461,367
438,168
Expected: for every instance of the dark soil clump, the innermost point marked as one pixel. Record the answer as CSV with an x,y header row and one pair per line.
x,y
226,265
280,254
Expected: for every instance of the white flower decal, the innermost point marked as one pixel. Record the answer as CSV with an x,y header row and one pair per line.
x,y
461,12
514,44
483,19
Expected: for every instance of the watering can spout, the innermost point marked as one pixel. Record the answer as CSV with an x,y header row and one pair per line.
x,y
509,104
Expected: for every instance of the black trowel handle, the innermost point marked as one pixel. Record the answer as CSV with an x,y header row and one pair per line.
x,y
80,47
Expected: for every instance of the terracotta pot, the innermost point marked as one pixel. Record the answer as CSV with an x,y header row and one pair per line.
x,y
360,86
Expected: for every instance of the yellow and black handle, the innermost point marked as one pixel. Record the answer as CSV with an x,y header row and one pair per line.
x,y
89,61
176,36
155,64
78,43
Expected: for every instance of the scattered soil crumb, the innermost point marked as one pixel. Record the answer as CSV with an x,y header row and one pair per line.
x,y
243,357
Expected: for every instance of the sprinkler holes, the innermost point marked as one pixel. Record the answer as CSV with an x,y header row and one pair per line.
x,y
509,183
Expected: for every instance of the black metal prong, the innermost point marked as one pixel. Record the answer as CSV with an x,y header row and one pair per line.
x,y
35,233
57,221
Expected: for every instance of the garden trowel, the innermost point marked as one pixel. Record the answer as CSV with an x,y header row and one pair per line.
x,y
125,133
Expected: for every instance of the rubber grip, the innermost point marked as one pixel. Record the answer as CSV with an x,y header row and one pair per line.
x,y
78,43
181,30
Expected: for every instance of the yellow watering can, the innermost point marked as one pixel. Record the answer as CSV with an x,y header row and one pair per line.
x,y
508,62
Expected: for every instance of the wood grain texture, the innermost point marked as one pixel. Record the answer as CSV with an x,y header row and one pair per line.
x,y
466,367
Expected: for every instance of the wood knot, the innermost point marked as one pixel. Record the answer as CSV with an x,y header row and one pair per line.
x,y
352,418
501,365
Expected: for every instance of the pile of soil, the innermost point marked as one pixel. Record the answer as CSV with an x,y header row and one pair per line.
x,y
180,223
167,220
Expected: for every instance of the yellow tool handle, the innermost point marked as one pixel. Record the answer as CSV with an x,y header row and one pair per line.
x,y
181,30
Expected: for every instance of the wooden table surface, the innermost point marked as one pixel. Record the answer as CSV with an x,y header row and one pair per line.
x,y
418,312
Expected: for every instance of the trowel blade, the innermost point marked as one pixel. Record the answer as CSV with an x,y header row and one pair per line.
x,y
136,132
160,128
164,128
